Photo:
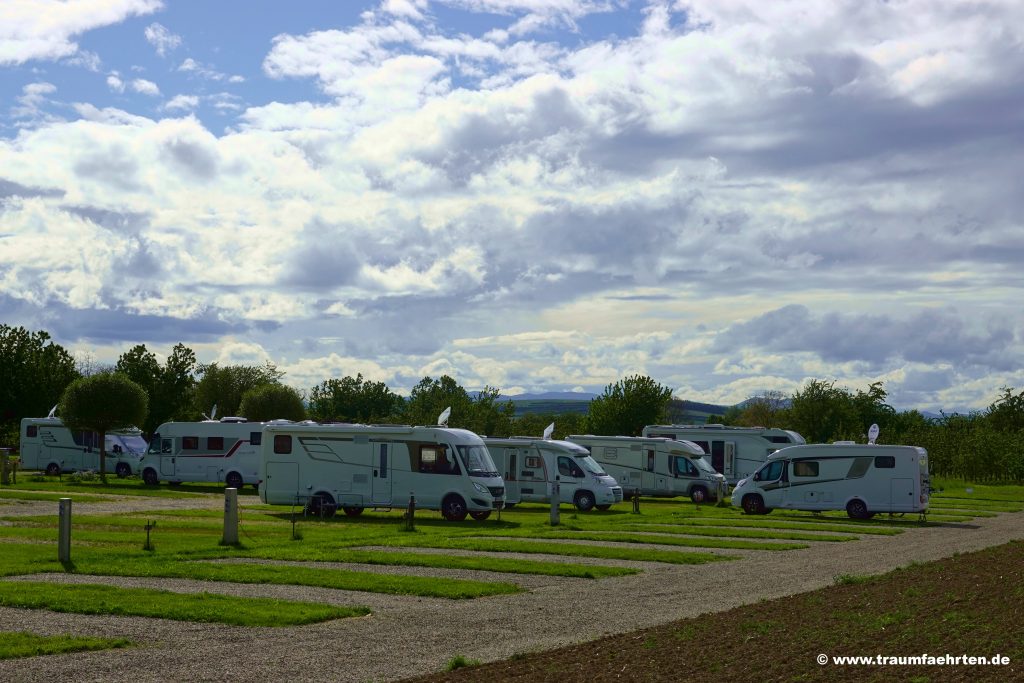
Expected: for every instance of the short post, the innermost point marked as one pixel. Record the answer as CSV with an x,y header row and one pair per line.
x,y
636,501
150,525
5,476
409,523
230,517
556,499
64,530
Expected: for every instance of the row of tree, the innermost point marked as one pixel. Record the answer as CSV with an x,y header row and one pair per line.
x,y
34,373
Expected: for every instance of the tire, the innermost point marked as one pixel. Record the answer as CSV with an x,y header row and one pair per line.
x,y
351,511
122,470
150,477
234,481
453,508
603,508
584,501
753,504
53,469
857,509
321,504
699,494
480,516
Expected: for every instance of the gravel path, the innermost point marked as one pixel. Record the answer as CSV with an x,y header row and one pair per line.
x,y
406,636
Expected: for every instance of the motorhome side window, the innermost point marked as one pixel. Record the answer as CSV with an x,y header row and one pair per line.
x,y
805,468
704,447
256,438
682,467
282,444
435,459
190,443
532,462
885,461
31,430
215,443
567,468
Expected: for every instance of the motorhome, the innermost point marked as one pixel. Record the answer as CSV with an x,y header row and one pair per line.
x,y
863,479
324,467
656,466
47,445
736,452
530,466
225,450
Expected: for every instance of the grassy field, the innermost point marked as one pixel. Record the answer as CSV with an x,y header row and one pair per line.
x,y
957,606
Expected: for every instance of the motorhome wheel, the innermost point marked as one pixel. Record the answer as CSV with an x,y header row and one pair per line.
x,y
453,508
480,516
584,501
150,478
122,470
753,504
53,469
234,481
857,509
698,494
352,511
321,504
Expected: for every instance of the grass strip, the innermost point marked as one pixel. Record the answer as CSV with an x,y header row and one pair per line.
x,y
15,644
32,495
781,525
542,548
161,604
693,530
617,537
290,575
488,564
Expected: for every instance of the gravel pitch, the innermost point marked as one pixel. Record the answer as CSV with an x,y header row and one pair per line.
x,y
407,636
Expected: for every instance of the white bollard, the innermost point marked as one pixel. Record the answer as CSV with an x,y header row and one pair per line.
x,y
230,517
556,499
64,530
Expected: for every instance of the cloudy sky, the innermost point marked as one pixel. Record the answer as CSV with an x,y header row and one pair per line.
x,y
728,195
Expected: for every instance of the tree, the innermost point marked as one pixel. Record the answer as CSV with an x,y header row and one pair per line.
x,y
764,410
1006,414
169,387
101,403
821,412
627,406
431,396
33,374
272,402
353,399
223,386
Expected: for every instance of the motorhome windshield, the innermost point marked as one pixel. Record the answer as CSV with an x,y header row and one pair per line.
x,y
134,443
154,445
703,465
589,464
477,461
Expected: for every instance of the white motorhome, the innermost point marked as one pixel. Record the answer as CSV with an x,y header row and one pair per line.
x,y
529,466
225,450
655,466
862,479
736,452
324,467
47,445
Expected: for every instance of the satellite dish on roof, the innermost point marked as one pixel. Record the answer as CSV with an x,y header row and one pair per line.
x,y
213,414
548,431
442,419
872,434
53,411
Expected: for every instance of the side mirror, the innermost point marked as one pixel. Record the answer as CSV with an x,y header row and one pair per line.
x,y
757,477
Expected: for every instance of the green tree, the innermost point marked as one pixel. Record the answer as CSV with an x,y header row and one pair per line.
x,y
272,402
169,387
101,403
224,386
431,396
353,399
871,408
1006,414
767,409
534,424
822,412
34,372
627,406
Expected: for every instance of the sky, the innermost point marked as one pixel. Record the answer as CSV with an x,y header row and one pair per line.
x,y
730,196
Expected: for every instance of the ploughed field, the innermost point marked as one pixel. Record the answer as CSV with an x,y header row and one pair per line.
x,y
504,587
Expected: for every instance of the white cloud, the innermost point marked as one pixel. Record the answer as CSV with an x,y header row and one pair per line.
x,y
43,29
115,83
182,102
141,85
206,72
161,38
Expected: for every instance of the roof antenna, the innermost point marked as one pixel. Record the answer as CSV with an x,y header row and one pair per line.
x,y
442,419
548,431
53,411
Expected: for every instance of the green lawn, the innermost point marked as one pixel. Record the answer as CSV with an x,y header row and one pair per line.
x,y
21,644
144,602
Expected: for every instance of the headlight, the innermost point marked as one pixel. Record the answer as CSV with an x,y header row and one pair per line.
x,y
481,488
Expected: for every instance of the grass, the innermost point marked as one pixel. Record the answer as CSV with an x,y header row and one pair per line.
x,y
7,494
144,602
811,524
694,530
663,539
15,644
124,487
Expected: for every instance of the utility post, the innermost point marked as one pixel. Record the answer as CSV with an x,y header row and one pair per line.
x,y
64,530
556,497
230,517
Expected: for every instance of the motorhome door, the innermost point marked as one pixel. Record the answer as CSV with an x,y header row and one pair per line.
x,y
382,478
511,460
647,477
167,457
